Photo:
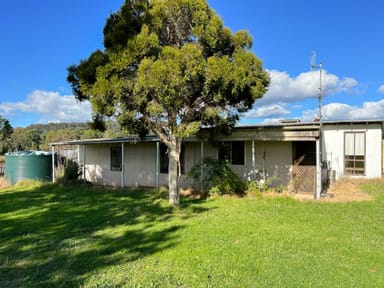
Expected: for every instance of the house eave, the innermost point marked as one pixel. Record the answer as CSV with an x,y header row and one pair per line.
x,y
289,131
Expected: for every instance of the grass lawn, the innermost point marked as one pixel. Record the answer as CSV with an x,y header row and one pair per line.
x,y
83,236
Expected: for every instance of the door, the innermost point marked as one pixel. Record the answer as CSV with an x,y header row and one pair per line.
x,y
303,178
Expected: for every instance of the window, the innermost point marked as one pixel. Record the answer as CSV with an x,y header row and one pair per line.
x,y
225,151
238,153
232,152
116,159
164,160
354,153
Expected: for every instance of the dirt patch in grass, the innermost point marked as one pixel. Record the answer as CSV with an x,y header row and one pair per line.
x,y
343,190
3,183
347,190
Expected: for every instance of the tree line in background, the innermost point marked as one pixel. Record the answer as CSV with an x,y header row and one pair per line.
x,y
38,136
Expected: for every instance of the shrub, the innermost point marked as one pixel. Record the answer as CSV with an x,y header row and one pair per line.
x,y
253,188
71,172
218,177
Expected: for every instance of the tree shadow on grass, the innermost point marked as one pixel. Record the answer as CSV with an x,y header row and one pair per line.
x,y
55,236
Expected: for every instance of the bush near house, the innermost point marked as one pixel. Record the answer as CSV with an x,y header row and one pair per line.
x,y
217,177
69,172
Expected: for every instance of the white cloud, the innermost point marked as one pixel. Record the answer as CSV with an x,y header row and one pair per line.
x,y
273,110
341,111
381,89
50,107
286,96
287,89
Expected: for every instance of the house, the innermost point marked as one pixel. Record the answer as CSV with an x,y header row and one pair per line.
x,y
288,153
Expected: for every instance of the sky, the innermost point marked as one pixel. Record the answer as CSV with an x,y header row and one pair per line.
x,y
40,39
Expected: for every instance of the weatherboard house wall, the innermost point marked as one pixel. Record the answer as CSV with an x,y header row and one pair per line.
x,y
140,163
335,135
269,152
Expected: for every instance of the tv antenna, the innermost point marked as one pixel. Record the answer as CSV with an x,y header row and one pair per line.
x,y
320,96
319,146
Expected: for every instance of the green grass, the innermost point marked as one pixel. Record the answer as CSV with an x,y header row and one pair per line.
x,y
82,236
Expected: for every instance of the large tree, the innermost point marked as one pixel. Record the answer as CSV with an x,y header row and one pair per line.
x,y
170,67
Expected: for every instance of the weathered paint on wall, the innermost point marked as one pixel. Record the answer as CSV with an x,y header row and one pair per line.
x,y
273,160
140,164
274,157
97,165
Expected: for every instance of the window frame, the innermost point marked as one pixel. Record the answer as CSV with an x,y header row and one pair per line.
x,y
232,151
354,164
164,160
116,162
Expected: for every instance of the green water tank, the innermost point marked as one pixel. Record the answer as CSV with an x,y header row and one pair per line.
x,y
28,165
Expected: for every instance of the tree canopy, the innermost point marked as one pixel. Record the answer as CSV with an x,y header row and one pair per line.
x,y
6,131
39,136
170,67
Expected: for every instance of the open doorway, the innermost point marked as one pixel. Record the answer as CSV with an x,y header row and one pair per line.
x,y
306,149
304,167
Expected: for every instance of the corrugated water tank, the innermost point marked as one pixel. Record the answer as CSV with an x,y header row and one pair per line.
x,y
28,165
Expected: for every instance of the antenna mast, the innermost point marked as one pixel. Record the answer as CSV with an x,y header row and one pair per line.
x,y
319,144
320,96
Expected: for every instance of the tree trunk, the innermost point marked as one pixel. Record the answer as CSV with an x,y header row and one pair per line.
x,y
173,171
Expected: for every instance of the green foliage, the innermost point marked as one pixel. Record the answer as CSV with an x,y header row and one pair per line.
x,y
70,174
27,139
97,123
163,71
256,187
6,132
26,184
85,73
125,23
253,188
217,177
170,67
38,136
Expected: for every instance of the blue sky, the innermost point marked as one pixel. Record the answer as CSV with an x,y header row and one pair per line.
x,y
40,39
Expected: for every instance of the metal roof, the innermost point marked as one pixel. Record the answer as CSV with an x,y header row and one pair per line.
x,y
297,122
290,124
128,139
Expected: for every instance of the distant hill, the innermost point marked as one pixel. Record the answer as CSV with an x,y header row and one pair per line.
x,y
55,126
38,136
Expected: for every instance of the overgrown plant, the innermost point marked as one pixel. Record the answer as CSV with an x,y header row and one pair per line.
x,y
256,187
253,188
70,173
217,177
261,182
